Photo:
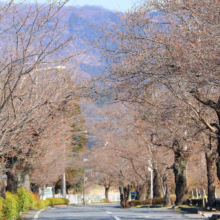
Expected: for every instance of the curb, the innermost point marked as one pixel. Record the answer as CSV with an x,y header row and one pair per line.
x,y
190,209
211,215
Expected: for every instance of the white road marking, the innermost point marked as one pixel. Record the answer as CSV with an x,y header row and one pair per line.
x,y
37,214
115,217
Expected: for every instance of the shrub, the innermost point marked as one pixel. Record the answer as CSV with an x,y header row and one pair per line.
x,y
135,203
56,201
35,200
26,199
23,201
125,205
2,202
11,206
196,202
50,201
40,204
156,201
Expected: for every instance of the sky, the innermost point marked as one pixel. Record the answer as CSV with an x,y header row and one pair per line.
x,y
119,5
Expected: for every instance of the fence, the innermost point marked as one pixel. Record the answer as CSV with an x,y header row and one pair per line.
x,y
90,198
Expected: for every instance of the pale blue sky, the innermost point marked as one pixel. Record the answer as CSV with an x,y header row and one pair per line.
x,y
119,5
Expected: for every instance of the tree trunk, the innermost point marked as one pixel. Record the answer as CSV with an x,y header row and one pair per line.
x,y
121,190
211,172
25,182
218,150
13,176
149,192
12,182
53,190
218,166
179,168
156,185
34,188
2,185
141,192
218,147
167,196
127,191
107,187
18,180
129,196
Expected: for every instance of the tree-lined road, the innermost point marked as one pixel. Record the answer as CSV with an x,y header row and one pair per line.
x,y
111,212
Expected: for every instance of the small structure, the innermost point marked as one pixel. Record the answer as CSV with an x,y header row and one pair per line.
x,y
4,177
48,192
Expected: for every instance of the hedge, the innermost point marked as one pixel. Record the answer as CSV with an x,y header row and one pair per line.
x,y
156,201
22,202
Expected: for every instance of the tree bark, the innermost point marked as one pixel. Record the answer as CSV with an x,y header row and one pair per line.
x,y
156,184
18,180
218,150
34,188
129,196
127,191
121,190
218,166
53,188
107,187
25,181
12,182
179,168
2,185
167,201
13,177
149,191
211,172
141,192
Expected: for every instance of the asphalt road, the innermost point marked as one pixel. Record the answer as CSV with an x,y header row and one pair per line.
x,y
112,212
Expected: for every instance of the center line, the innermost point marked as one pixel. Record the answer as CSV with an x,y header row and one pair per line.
x,y
109,212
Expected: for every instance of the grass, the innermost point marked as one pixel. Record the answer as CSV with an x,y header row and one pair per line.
x,y
97,187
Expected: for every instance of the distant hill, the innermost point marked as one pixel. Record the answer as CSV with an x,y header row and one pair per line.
x,y
82,19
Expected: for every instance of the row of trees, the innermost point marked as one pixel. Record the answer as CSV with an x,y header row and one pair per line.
x,y
39,93
162,62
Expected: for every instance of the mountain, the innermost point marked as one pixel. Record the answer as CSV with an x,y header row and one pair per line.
x,y
81,20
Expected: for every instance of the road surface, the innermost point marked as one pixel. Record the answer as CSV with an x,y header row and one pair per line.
x,y
111,212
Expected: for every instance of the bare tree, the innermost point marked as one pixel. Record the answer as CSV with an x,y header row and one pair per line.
x,y
34,84
173,47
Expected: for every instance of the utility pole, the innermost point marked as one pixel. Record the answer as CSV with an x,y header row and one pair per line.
x,y
64,184
84,202
64,172
151,184
84,179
